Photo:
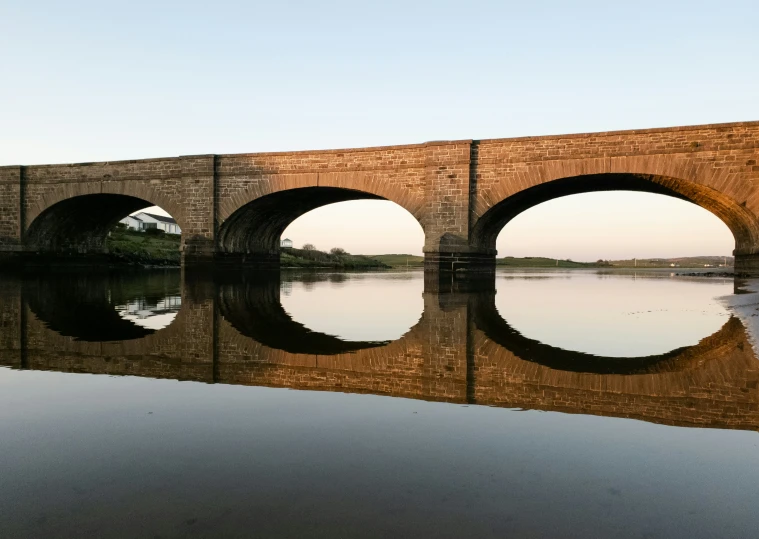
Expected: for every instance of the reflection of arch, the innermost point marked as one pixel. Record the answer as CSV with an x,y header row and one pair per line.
x,y
256,312
62,221
255,225
83,307
500,206
489,321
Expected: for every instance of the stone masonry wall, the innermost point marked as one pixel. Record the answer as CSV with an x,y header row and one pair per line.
x,y
10,208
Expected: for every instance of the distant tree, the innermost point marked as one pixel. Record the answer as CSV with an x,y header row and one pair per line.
x,y
337,251
309,247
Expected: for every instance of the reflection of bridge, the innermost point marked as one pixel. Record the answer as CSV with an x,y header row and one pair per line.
x,y
234,208
460,351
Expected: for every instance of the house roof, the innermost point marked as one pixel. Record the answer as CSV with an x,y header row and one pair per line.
x,y
162,218
133,217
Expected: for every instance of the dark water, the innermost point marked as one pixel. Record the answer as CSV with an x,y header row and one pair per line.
x,y
573,404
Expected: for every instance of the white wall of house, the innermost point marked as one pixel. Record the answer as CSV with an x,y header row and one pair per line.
x,y
131,222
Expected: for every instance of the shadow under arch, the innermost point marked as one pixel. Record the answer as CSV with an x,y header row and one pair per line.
x,y
256,227
80,224
488,320
743,224
84,306
254,309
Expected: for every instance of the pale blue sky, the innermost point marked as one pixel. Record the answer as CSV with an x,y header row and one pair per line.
x,y
91,81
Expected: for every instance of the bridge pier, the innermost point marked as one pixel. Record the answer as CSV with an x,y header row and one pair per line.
x,y
747,265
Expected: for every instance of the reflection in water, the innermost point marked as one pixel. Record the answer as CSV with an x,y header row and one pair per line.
x,y
342,303
96,307
612,315
460,350
289,463
149,313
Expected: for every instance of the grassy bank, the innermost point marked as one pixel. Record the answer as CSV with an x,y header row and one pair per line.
x,y
144,248
301,258
542,262
401,261
693,262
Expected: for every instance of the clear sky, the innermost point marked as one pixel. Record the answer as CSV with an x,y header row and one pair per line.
x,y
92,81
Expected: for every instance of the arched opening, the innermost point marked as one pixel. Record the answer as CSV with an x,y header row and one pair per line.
x,y
743,225
128,228
320,218
617,226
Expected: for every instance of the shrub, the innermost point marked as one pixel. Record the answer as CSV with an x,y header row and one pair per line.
x,y
155,232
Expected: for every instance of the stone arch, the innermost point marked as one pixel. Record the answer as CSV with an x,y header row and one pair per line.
x,y
715,190
252,223
78,218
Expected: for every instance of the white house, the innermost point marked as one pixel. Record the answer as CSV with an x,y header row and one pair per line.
x,y
286,243
132,221
143,221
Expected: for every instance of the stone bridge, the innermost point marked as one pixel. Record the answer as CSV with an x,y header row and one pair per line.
x,y
460,351
234,208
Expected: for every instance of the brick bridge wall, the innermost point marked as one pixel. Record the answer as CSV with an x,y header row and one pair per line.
x,y
445,357
461,192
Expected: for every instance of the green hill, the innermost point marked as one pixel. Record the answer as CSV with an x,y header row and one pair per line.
x,y
301,258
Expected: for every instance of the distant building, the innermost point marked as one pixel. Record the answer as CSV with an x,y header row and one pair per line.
x,y
286,243
143,221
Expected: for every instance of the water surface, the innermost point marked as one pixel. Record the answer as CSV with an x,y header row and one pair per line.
x,y
555,404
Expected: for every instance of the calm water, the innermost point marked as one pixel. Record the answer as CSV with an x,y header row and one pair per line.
x,y
559,404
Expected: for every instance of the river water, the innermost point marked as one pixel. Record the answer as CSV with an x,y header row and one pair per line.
x,y
555,404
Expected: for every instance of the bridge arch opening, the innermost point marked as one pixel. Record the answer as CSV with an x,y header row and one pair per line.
x,y
330,217
103,223
742,224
